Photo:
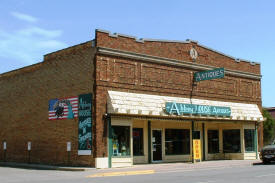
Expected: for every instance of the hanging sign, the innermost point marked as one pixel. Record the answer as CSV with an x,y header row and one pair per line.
x,y
197,150
85,124
180,109
208,75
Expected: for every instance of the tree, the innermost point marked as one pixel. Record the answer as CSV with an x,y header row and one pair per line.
x,y
268,127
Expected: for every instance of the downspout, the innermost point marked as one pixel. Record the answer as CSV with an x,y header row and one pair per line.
x,y
256,139
110,142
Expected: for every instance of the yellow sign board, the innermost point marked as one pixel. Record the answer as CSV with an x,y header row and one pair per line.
x,y
197,150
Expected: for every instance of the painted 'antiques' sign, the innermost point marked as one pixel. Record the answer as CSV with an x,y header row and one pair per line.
x,y
85,124
180,109
207,75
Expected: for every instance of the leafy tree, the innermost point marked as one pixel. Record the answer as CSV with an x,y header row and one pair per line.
x,y
268,127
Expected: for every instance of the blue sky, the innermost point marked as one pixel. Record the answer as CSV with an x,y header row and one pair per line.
x,y
243,29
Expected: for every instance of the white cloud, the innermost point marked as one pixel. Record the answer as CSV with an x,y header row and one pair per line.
x,y
36,31
28,45
50,44
24,17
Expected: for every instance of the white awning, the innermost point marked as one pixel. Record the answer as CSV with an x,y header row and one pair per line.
x,y
144,104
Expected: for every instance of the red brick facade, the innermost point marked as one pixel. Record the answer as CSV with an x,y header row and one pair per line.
x,y
137,76
81,69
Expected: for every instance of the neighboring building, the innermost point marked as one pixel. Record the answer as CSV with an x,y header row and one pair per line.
x,y
126,101
271,110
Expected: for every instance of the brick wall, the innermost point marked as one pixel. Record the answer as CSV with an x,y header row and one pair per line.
x,y
24,97
173,50
272,112
137,76
24,94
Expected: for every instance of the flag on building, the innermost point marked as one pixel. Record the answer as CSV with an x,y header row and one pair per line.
x,y
66,108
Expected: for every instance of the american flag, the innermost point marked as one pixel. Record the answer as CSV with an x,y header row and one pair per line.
x,y
65,108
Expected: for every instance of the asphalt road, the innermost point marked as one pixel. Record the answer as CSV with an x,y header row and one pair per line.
x,y
243,174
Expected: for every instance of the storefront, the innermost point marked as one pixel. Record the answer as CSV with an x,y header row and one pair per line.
x,y
142,131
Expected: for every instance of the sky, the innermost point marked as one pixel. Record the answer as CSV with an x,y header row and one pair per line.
x,y
243,29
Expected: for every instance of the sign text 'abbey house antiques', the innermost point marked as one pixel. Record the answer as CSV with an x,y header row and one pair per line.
x,y
180,109
85,124
207,75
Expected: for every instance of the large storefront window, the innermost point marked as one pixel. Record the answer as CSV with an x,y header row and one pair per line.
x,y
231,141
177,141
249,140
213,141
121,140
138,141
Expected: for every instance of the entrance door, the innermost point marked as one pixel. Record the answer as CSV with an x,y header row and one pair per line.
x,y
157,147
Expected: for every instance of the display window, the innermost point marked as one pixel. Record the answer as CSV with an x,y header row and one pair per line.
x,y
138,141
231,141
121,140
177,141
213,141
249,140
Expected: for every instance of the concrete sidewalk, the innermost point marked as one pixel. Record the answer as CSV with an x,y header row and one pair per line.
x,y
156,167
43,167
186,165
203,164
173,168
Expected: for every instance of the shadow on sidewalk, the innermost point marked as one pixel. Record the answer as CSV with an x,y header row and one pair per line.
x,y
39,167
261,163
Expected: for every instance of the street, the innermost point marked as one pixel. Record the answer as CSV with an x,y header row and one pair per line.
x,y
176,173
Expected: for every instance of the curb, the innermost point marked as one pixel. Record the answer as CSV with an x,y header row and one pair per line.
x,y
40,167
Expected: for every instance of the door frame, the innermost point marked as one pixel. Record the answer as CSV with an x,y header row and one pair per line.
x,y
152,152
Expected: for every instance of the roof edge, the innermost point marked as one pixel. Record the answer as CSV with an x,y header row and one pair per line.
x,y
142,40
21,70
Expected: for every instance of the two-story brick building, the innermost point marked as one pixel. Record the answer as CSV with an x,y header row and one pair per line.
x,y
125,101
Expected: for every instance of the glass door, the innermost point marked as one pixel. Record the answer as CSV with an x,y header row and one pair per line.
x,y
157,145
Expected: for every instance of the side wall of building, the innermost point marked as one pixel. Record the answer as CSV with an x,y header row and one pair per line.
x,y
24,98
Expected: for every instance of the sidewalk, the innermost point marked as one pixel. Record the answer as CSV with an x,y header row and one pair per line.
x,y
173,168
204,164
156,167
43,167
189,166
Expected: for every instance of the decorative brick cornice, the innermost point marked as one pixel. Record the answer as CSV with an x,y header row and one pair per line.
x,y
180,63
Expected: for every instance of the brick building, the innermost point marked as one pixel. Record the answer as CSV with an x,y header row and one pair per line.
x,y
126,101
271,110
